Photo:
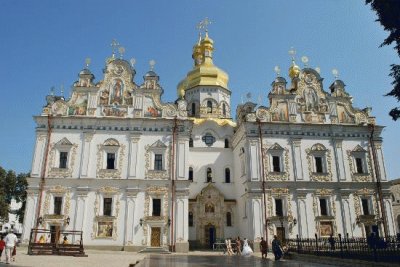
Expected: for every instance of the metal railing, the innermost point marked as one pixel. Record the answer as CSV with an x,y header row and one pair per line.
x,y
369,249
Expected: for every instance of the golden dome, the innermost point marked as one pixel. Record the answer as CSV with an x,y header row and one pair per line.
x,y
204,72
294,70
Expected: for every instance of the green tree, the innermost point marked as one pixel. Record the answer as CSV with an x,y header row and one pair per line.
x,y
4,207
20,194
388,12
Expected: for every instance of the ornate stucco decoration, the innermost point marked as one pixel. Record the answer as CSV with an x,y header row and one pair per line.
x,y
323,192
56,191
111,221
158,192
360,217
278,192
360,177
161,148
319,150
263,114
283,153
110,145
330,218
64,145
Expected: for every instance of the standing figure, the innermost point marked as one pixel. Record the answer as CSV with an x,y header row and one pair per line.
x,y
2,246
238,246
276,248
11,241
229,246
247,251
332,242
263,248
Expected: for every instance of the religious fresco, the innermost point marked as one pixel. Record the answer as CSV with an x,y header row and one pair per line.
x,y
114,111
104,95
344,116
325,228
280,112
105,229
149,108
78,104
116,89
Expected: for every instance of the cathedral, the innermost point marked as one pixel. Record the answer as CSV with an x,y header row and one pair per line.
x,y
133,172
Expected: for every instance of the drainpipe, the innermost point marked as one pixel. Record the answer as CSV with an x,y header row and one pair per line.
x,y
263,181
172,225
43,173
378,180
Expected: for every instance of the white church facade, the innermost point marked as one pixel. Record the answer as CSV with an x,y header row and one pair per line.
x,y
133,172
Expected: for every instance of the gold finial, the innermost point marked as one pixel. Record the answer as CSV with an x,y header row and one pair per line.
x,y
294,70
121,51
335,73
277,70
87,62
152,63
318,69
203,25
133,62
305,60
114,45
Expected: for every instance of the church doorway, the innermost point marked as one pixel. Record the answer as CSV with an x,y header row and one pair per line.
x,y
210,235
280,234
55,234
155,236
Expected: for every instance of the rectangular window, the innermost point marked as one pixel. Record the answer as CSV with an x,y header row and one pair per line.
x,y
107,206
359,165
190,218
278,207
156,207
158,162
365,206
318,165
57,205
63,160
110,161
323,206
276,163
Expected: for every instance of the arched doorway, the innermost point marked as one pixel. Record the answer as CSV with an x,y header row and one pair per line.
x,y
210,234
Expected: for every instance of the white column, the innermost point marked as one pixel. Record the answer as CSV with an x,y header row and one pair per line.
x,y
30,213
80,210
389,216
254,160
182,152
85,154
257,220
381,163
132,157
339,159
38,155
303,218
130,224
297,160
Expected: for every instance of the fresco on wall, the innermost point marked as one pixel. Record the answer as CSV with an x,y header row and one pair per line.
x,y
344,116
104,95
280,112
105,229
149,108
117,89
114,111
78,104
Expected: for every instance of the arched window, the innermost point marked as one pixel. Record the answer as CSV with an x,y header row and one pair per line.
x,y
228,219
209,175
191,142
190,173
190,218
227,175
209,107
193,109
226,143
224,110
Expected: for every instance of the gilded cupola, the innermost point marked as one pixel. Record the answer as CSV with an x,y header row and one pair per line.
x,y
204,72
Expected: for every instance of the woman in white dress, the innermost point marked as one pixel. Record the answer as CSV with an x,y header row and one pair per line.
x,y
247,251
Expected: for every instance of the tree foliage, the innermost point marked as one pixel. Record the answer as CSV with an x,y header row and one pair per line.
x,y
12,186
388,12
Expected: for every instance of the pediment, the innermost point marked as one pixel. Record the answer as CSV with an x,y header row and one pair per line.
x,y
111,142
64,142
276,146
318,147
210,192
358,148
158,144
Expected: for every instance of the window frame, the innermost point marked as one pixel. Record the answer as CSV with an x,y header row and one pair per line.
x,y
158,162
109,206
60,203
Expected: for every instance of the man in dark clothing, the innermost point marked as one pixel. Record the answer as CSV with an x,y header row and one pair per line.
x,y
263,248
276,248
332,242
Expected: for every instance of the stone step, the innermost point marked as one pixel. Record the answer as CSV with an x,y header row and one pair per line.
x,y
157,250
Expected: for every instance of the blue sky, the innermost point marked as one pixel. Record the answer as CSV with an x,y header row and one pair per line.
x,y
45,43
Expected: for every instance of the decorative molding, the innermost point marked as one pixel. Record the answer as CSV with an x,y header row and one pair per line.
x,y
355,176
319,177
109,173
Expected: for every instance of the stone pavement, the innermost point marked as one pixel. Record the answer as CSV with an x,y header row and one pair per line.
x,y
95,258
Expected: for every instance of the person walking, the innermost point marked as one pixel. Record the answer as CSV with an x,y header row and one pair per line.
x,y
238,246
263,248
247,251
2,246
276,248
229,246
332,242
11,241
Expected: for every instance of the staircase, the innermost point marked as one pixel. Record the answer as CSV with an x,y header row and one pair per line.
x,y
155,250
